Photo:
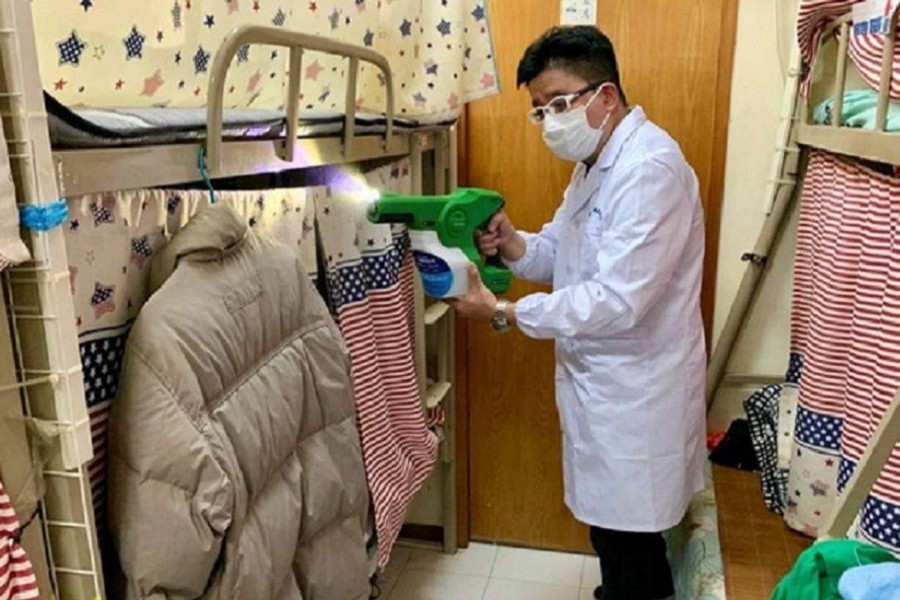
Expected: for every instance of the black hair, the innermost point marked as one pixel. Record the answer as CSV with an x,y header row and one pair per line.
x,y
582,50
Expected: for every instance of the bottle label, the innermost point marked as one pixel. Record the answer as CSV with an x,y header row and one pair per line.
x,y
437,277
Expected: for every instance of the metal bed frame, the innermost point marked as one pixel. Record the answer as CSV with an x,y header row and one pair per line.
x,y
797,135
877,145
47,380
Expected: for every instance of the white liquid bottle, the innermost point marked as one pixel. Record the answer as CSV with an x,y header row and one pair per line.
x,y
444,271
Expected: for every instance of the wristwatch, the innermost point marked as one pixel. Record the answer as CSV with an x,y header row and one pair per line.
x,y
500,322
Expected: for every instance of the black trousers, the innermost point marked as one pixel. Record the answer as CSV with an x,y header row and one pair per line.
x,y
634,565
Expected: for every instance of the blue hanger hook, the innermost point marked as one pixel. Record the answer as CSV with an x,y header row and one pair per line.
x,y
201,166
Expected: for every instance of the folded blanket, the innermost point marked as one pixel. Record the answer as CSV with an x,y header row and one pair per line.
x,y
860,108
871,582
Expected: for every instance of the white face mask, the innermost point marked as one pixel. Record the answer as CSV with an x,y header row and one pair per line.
x,y
570,136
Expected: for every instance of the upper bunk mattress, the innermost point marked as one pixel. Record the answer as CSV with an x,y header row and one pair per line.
x,y
73,128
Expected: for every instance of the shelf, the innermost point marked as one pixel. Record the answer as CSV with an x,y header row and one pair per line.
x,y
436,312
436,394
872,145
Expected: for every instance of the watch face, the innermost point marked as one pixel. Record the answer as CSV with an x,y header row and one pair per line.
x,y
500,322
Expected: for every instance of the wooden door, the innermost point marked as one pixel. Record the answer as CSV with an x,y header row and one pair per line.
x,y
675,58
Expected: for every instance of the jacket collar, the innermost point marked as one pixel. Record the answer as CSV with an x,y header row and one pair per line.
x,y
585,182
211,235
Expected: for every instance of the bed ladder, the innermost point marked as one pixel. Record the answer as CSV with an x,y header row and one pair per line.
x,y
42,323
788,165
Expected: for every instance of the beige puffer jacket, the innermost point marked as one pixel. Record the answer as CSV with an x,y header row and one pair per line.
x,y
235,463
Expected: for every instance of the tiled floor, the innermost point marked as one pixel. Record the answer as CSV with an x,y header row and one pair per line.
x,y
757,547
486,572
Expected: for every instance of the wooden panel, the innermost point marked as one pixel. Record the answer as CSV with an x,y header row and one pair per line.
x,y
515,472
461,396
673,57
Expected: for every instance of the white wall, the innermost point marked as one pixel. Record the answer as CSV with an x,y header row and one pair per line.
x,y
764,36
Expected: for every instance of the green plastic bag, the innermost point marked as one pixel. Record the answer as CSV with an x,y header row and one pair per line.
x,y
818,569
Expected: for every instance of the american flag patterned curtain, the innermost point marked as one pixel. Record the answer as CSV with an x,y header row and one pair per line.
x,y
369,273
17,579
845,342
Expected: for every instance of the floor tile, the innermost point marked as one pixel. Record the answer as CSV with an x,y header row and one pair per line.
x,y
388,579
477,559
538,566
425,585
586,594
399,559
752,560
502,589
590,577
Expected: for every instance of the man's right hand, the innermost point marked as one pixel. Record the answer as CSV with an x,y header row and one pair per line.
x,y
501,237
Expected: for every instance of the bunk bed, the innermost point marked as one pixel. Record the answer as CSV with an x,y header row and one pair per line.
x,y
826,436
115,157
62,152
842,114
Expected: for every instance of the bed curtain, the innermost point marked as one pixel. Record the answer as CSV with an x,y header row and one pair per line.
x,y
103,54
845,343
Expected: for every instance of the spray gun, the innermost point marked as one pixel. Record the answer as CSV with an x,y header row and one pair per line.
x,y
442,232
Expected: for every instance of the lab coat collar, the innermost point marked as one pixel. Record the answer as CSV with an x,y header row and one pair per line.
x,y
585,181
620,136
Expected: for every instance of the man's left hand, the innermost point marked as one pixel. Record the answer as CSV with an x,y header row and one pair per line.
x,y
479,302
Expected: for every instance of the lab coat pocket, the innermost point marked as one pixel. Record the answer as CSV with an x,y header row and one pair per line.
x,y
615,412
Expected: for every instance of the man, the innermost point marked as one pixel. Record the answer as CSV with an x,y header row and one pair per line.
x,y
624,253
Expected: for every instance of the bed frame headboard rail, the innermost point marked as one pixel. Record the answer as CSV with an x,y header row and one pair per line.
x,y
297,42
844,26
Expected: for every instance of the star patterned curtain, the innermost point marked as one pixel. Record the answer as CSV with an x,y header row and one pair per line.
x,y
117,54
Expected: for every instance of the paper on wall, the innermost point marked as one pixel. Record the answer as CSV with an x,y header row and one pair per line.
x,y
578,12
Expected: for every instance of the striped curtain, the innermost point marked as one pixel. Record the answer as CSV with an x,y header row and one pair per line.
x,y
17,579
845,342
369,274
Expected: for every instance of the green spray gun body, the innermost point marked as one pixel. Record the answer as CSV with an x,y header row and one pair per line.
x,y
455,218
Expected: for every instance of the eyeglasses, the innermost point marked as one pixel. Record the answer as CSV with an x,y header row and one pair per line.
x,y
560,104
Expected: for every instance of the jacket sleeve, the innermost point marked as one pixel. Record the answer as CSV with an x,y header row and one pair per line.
x,y
540,253
650,223
170,502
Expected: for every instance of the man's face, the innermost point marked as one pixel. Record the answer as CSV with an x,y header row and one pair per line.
x,y
557,82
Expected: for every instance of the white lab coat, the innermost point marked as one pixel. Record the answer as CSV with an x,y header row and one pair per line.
x,y
625,255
